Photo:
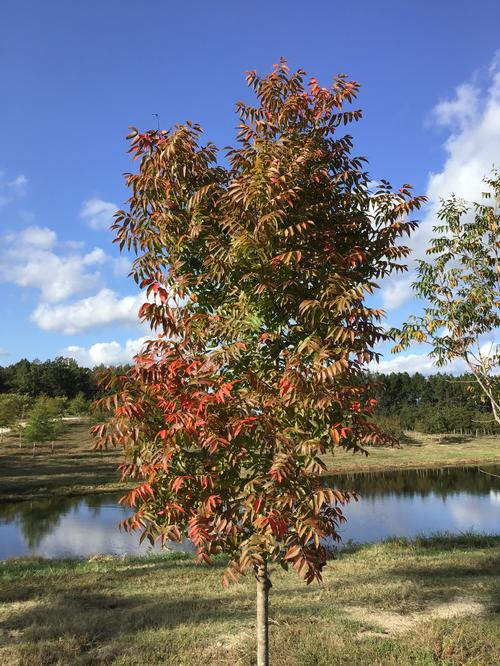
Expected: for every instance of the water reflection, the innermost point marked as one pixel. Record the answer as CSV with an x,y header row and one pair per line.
x,y
403,503
39,518
421,482
412,502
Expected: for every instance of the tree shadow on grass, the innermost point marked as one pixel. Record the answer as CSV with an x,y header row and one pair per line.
x,y
98,619
105,616
409,583
454,439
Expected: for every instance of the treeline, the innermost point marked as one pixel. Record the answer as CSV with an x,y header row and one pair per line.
x,y
61,377
440,403
36,396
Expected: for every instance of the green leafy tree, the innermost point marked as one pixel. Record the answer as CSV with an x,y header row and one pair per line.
x,y
10,411
44,423
79,405
461,285
58,377
21,377
13,409
257,271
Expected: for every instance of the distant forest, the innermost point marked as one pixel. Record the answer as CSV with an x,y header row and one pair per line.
x,y
438,403
61,377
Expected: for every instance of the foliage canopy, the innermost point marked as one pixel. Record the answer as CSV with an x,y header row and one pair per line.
x,y
461,285
44,422
256,270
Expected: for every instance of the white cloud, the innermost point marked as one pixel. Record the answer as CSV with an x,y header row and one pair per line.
x,y
459,111
35,258
36,237
28,260
397,292
472,118
107,353
11,189
413,363
96,256
18,182
98,214
100,310
4,352
74,244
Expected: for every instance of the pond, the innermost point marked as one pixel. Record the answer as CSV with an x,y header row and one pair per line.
x,y
403,503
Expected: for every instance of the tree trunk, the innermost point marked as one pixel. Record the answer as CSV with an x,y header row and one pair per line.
x,y
263,586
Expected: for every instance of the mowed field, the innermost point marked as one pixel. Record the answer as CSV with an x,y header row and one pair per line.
x,y
73,468
419,450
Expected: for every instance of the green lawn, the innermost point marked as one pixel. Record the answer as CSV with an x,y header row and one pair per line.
x,y
430,601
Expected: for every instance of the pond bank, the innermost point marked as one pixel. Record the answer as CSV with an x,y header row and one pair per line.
x,y
426,601
73,468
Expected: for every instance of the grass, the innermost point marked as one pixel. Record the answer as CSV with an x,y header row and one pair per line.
x,y
428,601
74,469
420,451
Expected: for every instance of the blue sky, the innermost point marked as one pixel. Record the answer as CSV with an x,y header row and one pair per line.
x,y
75,75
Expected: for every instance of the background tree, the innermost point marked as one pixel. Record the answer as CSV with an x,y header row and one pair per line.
x,y
404,402
259,272
57,377
440,403
44,423
11,409
79,406
461,285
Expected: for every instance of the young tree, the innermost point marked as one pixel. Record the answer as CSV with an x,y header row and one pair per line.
x,y
10,409
461,284
13,407
256,276
44,423
79,406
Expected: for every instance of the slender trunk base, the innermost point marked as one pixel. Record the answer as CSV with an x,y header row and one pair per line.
x,y
263,586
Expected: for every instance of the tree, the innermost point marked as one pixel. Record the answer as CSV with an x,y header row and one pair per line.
x,y
79,405
256,275
13,407
44,423
10,411
21,379
461,284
